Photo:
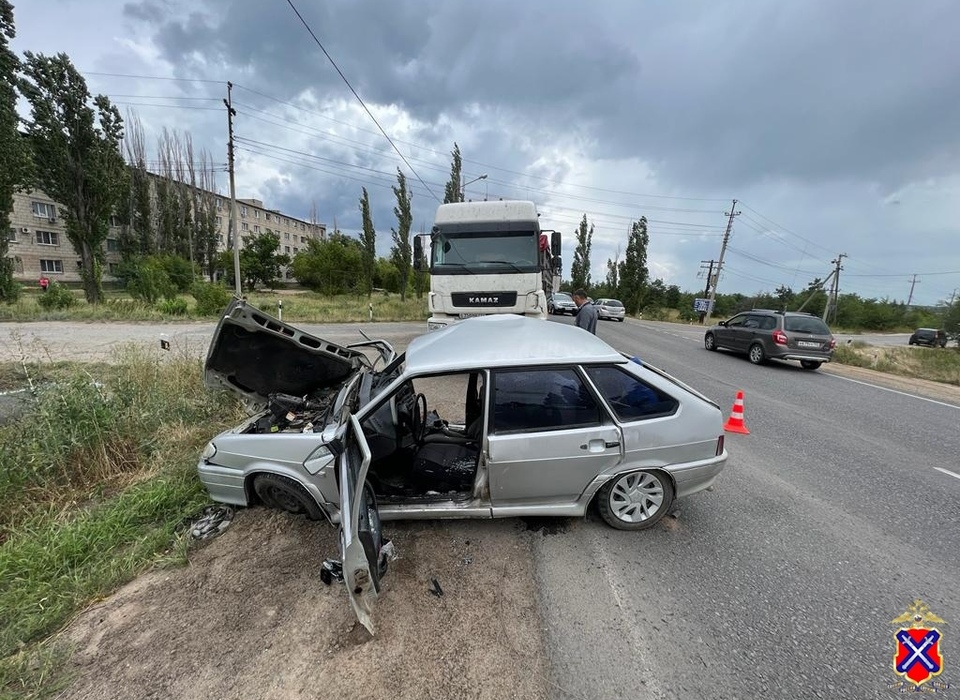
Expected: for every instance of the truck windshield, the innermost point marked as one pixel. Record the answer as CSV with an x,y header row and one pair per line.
x,y
457,253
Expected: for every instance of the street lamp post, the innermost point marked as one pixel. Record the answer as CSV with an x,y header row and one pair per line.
x,y
464,185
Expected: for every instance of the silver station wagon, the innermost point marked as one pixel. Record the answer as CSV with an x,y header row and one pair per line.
x,y
497,416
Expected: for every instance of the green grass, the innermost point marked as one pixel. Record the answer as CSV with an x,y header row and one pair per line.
x,y
934,364
298,305
95,480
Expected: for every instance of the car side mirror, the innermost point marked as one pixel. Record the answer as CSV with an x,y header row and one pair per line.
x,y
722,323
555,243
418,253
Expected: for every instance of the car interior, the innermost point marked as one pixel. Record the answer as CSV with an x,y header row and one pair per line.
x,y
424,447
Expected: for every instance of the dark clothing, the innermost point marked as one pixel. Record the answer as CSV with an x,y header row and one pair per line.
x,y
587,318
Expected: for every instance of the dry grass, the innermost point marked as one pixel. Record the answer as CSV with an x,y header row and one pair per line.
x,y
934,364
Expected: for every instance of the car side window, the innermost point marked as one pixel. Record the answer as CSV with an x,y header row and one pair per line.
x,y
768,323
534,400
630,398
736,321
752,322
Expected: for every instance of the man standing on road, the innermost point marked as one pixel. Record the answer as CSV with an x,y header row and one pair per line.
x,y
587,312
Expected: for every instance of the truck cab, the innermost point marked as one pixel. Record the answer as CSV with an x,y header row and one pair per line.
x,y
487,258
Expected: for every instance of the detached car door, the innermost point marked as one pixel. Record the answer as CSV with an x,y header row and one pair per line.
x,y
361,539
548,438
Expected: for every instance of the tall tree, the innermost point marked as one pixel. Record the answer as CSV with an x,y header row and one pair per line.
x,y
14,156
451,192
76,149
613,274
633,269
369,241
580,267
401,254
137,232
260,260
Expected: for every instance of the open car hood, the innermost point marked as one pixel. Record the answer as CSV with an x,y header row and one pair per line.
x,y
254,355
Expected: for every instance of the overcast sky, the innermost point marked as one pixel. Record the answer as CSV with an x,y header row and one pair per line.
x,y
835,123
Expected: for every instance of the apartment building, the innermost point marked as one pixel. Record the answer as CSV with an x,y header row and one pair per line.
x,y
38,241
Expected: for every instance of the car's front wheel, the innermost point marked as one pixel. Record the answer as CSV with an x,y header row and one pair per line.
x,y
810,364
710,342
283,493
756,354
635,501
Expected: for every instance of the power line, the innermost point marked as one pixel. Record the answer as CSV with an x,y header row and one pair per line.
x,y
359,99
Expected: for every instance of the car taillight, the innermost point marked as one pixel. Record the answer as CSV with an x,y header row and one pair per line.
x,y
780,338
719,445
833,343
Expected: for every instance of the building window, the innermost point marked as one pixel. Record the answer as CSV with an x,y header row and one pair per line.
x,y
12,235
244,226
48,238
286,235
286,249
51,266
113,268
296,250
286,222
115,220
18,264
256,228
303,239
268,216
243,211
43,210
256,213
113,245
219,204
219,221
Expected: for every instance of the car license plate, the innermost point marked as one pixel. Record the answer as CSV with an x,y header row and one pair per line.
x,y
807,344
470,315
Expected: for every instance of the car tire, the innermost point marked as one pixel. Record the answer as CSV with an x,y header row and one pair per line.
x,y
710,342
621,320
283,493
810,364
756,354
635,501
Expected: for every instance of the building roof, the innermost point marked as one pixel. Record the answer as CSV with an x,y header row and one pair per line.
x,y
501,340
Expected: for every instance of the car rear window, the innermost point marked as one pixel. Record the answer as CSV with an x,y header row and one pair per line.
x,y
804,324
612,302
630,398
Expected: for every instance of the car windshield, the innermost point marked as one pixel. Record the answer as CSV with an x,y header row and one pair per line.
x,y
483,253
805,324
562,297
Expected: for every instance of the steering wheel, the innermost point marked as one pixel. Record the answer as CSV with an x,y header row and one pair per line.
x,y
419,418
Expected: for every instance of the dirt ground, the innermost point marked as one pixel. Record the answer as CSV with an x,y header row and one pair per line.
x,y
250,618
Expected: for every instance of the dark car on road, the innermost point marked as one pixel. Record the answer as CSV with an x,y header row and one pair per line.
x,y
930,337
783,335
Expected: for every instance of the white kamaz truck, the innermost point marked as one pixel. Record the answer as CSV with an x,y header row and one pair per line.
x,y
488,258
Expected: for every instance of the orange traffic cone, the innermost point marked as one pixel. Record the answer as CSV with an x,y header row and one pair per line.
x,y
735,423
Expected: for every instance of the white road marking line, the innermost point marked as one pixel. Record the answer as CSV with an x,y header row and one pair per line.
x,y
893,391
947,471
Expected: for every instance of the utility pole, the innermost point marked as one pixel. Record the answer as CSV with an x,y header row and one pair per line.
x,y
723,249
834,288
234,224
708,264
913,283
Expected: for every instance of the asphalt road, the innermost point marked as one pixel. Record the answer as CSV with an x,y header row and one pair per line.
x,y
781,583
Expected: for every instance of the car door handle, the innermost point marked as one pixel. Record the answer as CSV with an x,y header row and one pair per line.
x,y
599,445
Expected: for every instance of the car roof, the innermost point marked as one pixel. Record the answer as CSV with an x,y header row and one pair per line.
x,y
505,340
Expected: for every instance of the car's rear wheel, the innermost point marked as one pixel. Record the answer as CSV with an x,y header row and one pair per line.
x,y
710,342
285,494
756,354
810,364
635,501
